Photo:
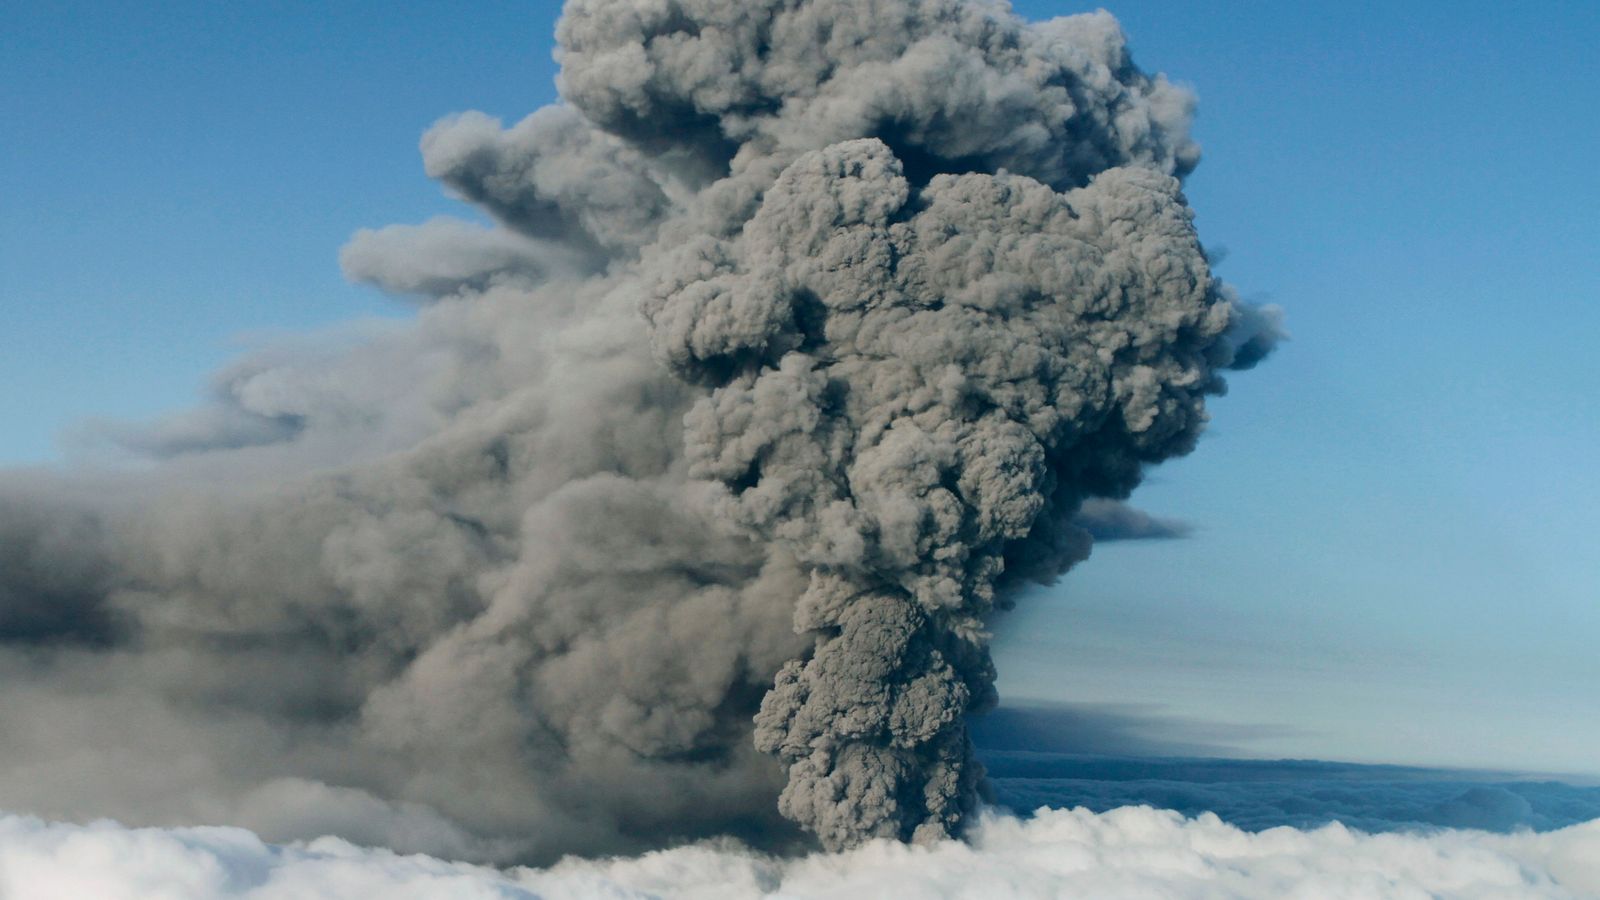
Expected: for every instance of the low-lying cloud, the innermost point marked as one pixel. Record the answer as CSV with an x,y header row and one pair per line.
x,y
1133,851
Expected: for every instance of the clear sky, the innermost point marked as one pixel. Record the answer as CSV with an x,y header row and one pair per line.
x,y
1395,550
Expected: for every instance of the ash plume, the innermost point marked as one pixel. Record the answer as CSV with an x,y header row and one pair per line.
x,y
805,332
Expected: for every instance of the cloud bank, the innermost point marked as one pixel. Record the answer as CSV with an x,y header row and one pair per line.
x,y
1134,851
1261,794
1102,757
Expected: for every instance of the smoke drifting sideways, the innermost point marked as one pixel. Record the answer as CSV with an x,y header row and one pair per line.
x,y
804,333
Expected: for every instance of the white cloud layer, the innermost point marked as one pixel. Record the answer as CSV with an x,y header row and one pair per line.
x,y
1134,851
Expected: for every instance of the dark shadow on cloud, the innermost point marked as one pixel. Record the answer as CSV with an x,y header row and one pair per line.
x,y
52,575
1104,757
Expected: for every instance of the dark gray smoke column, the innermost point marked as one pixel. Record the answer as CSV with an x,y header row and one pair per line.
x,y
971,298
963,367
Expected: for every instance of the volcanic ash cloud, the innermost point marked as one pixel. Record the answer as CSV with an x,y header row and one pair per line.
x,y
805,331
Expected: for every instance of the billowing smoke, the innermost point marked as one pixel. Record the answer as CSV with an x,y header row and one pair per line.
x,y
805,332
931,383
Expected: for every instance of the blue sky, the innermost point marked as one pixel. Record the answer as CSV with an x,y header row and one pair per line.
x,y
1394,557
